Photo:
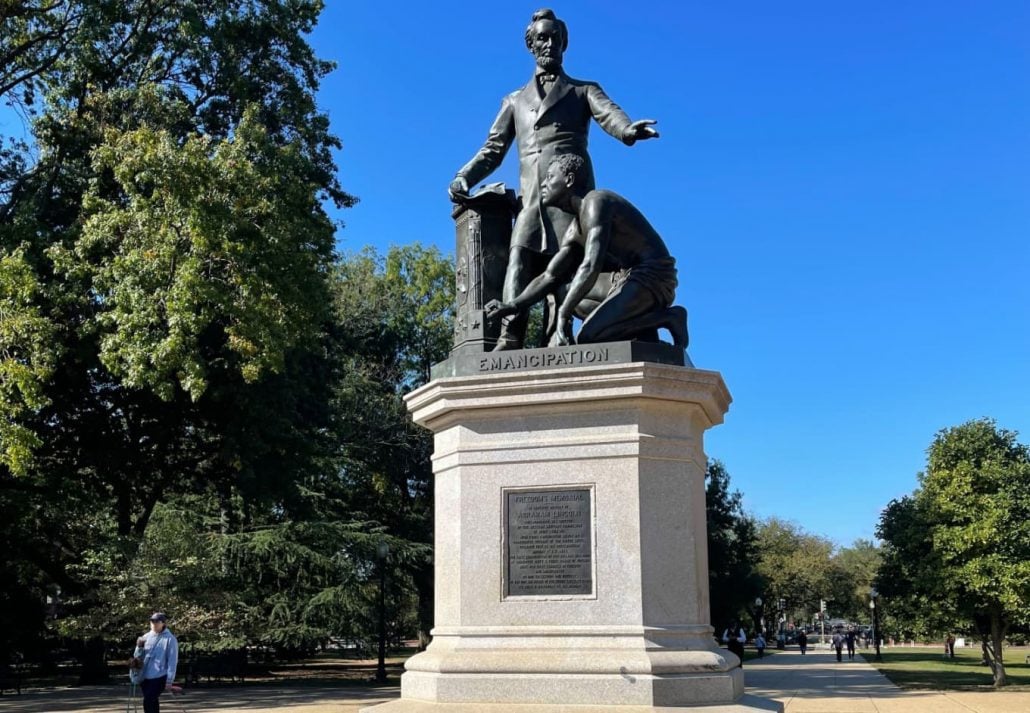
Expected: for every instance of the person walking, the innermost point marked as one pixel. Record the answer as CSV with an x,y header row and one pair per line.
x,y
160,651
838,644
734,637
760,644
802,641
849,640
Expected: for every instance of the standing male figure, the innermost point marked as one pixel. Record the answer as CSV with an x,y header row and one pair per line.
x,y
849,640
548,116
160,659
838,644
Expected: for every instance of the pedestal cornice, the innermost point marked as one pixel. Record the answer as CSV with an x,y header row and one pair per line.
x,y
613,383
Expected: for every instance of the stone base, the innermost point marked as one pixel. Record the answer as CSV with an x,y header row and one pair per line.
x,y
568,665
473,361
747,704
617,433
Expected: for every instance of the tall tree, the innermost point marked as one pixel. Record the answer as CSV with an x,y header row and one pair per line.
x,y
796,566
396,312
963,537
165,266
855,572
733,583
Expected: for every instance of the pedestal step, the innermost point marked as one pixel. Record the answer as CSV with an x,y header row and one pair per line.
x,y
746,704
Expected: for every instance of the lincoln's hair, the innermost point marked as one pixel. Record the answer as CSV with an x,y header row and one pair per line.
x,y
570,165
547,14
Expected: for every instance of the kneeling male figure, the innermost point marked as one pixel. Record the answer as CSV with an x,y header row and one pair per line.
x,y
607,233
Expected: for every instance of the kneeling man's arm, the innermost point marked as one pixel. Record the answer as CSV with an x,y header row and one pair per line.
x,y
558,270
597,235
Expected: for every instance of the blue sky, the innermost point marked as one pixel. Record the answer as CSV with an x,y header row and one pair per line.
x,y
846,187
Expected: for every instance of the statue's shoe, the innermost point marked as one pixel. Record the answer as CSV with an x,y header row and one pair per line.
x,y
504,345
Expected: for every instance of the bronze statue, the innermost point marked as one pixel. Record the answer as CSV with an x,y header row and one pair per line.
x,y
548,116
606,232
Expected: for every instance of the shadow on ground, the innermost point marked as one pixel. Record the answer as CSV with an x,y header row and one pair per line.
x,y
237,698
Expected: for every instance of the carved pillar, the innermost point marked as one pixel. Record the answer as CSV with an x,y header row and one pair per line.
x,y
483,233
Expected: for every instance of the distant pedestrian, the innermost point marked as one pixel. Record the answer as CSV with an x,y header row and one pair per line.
x,y
160,653
760,644
849,639
802,641
949,646
734,637
838,644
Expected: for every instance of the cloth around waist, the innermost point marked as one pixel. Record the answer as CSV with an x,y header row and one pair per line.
x,y
657,274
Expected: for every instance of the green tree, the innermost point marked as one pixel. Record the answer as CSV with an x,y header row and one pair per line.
x,y
733,582
855,569
396,313
165,267
963,537
797,567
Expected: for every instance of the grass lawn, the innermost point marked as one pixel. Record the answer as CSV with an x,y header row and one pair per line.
x,y
926,668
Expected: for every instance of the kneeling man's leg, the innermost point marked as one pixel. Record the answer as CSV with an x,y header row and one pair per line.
x,y
630,312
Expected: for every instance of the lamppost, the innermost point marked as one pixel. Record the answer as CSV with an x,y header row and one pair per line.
x,y
873,594
781,636
760,616
383,551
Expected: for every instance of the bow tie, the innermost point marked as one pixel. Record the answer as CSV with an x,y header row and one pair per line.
x,y
547,78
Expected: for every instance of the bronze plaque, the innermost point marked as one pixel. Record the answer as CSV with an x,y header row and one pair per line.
x,y
548,543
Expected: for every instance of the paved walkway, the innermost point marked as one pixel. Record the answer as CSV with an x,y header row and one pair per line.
x,y
213,699
814,683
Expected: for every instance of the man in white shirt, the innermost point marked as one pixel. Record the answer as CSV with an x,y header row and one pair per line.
x,y
160,659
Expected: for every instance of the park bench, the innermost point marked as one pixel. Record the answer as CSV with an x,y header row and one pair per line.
x,y
230,665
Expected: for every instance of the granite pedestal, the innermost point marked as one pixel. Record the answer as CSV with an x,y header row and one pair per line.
x,y
570,546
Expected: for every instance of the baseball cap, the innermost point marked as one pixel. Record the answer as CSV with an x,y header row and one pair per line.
x,y
158,616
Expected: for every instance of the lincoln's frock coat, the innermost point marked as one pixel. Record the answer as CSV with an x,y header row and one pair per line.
x,y
545,127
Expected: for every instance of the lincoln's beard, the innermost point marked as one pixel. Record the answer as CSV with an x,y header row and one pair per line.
x,y
551,64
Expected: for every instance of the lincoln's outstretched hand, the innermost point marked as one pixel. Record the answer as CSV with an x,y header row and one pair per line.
x,y
496,308
640,130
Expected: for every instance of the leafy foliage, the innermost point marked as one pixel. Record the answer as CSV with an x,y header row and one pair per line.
x,y
856,568
733,582
957,551
26,359
802,569
396,313
168,338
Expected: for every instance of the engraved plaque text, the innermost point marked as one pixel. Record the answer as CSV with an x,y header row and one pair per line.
x,y
548,543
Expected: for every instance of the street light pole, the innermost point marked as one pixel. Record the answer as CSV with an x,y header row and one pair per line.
x,y
781,634
382,550
876,621
760,622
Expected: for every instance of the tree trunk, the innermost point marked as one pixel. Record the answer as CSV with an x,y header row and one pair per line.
x,y
424,587
997,635
93,661
226,518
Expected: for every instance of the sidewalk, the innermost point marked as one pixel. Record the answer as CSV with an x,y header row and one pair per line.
x,y
816,683
215,699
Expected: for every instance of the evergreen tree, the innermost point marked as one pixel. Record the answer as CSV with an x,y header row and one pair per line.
x,y
733,583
